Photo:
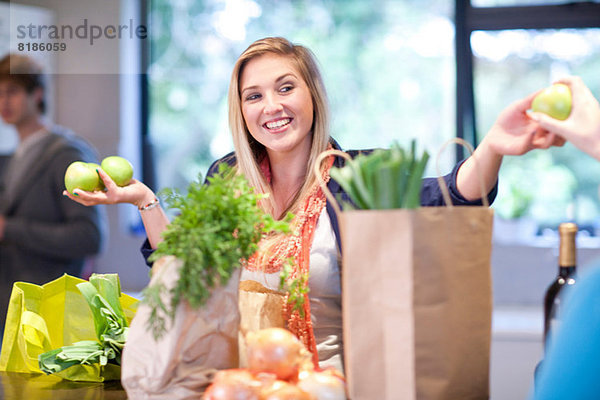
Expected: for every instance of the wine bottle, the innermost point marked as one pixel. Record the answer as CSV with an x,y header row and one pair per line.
x,y
566,276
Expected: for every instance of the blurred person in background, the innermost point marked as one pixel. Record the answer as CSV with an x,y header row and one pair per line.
x,y
43,234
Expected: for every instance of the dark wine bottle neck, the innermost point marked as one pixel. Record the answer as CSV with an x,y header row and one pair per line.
x,y
565,271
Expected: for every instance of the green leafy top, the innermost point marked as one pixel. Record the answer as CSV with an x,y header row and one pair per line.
x,y
383,179
218,226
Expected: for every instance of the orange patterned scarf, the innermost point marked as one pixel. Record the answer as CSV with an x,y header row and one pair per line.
x,y
297,245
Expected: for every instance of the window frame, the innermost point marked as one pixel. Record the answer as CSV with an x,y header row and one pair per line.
x,y
147,152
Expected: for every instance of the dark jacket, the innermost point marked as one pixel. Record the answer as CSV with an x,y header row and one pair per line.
x,y
431,194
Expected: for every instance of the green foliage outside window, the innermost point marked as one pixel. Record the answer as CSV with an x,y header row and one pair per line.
x,y
550,186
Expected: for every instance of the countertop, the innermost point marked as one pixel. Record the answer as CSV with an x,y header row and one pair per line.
x,y
18,386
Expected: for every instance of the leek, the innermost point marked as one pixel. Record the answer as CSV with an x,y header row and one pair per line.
x,y
384,179
102,294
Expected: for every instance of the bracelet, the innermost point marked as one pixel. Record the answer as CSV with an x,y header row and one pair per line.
x,y
150,205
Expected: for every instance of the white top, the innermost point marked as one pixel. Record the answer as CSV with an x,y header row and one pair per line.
x,y
325,293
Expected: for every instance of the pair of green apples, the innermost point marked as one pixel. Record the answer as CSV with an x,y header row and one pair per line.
x,y
84,176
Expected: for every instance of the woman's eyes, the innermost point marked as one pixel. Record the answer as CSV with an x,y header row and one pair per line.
x,y
255,96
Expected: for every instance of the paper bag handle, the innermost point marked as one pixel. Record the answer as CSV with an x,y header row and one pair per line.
x,y
442,183
319,177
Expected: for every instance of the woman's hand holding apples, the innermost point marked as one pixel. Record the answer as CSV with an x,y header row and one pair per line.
x,y
134,193
109,183
582,127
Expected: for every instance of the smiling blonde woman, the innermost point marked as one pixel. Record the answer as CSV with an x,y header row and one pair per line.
x,y
279,120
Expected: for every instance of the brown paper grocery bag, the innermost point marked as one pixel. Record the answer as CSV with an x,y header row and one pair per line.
x,y
260,308
416,299
197,343
417,303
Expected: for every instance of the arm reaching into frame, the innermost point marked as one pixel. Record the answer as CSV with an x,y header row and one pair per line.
x,y
513,133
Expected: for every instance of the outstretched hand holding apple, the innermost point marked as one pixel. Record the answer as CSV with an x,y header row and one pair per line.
x,y
514,133
582,127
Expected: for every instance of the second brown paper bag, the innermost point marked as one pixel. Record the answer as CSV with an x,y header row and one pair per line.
x,y
417,303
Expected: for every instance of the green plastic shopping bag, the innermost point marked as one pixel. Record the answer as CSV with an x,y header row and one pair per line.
x,y
46,317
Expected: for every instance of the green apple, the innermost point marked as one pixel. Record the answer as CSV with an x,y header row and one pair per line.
x,y
80,175
119,169
95,167
554,101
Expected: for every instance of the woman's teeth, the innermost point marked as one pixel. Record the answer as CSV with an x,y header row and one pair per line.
x,y
278,124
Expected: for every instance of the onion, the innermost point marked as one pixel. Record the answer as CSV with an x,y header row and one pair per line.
x,y
233,384
276,351
281,390
323,385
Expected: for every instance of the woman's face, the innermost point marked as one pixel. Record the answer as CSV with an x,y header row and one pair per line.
x,y
277,105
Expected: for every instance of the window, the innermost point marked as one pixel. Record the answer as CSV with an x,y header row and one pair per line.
x,y
388,67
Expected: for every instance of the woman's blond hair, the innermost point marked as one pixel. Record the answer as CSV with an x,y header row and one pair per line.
x,y
249,152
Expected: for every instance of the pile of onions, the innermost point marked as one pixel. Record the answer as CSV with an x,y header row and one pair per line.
x,y
279,368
